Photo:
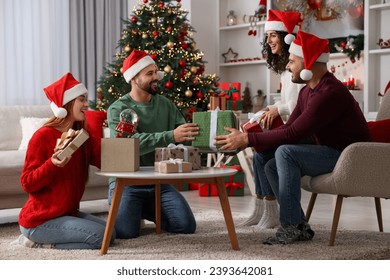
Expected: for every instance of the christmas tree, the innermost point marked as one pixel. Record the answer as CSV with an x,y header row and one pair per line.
x,y
161,28
246,100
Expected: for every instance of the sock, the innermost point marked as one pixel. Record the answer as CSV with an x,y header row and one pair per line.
x,y
270,218
256,214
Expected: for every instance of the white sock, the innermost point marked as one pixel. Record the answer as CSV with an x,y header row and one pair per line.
x,y
256,214
24,241
270,218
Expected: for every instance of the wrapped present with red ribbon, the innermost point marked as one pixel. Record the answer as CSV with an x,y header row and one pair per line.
x,y
253,125
232,91
181,187
234,184
217,101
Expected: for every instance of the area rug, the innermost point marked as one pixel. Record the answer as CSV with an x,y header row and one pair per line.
x,y
211,242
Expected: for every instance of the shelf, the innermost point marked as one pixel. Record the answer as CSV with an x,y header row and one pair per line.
x,y
239,26
232,64
380,51
380,6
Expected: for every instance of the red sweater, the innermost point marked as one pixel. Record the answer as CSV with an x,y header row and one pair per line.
x,y
328,113
54,191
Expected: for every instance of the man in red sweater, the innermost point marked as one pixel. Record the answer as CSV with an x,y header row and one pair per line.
x,y
326,112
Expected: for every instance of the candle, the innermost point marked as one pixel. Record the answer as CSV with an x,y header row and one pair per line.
x,y
351,82
345,82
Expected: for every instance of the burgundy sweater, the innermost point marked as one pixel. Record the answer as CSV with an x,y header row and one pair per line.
x,y
54,191
328,113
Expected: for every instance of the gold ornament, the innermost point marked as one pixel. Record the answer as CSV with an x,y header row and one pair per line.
x,y
144,36
121,70
167,69
188,93
153,19
170,44
99,90
110,90
194,69
209,106
127,49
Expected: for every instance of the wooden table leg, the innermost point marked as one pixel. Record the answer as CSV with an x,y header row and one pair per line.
x,y
158,207
227,213
116,199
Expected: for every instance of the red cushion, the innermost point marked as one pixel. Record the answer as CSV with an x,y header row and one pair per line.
x,y
380,130
95,121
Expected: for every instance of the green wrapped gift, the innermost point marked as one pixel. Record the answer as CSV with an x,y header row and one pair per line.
x,y
212,124
234,105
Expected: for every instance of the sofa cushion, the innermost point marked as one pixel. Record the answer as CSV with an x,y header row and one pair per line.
x,y
95,121
10,129
11,162
29,126
380,130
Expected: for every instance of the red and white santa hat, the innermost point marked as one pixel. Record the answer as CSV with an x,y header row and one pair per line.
x,y
63,91
283,21
312,49
135,62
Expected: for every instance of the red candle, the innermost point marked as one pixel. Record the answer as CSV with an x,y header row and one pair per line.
x,y
351,82
345,83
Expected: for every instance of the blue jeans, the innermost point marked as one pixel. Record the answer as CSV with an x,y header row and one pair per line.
x,y
138,202
284,173
68,232
262,186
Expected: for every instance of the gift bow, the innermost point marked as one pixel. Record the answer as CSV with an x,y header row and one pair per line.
x,y
177,161
256,117
229,93
173,146
66,138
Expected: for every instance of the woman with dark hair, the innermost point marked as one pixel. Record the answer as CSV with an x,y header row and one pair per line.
x,y
279,29
51,217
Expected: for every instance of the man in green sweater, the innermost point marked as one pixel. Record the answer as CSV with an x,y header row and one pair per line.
x,y
160,123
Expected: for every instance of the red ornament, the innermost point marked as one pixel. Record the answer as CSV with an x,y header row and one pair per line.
x,y
169,28
169,85
134,19
216,84
145,1
155,34
178,1
314,4
343,44
161,5
182,63
184,46
356,11
199,95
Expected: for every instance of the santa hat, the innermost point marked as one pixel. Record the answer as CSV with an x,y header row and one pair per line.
x,y
283,21
134,63
62,92
312,49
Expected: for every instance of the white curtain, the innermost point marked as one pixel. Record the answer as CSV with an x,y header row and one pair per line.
x,y
34,48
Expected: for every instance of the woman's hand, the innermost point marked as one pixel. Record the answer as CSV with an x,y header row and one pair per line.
x,y
57,162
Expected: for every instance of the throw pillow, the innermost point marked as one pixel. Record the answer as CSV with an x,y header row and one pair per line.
x,y
380,130
29,126
95,121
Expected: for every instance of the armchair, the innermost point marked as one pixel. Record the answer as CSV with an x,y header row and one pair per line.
x,y
361,171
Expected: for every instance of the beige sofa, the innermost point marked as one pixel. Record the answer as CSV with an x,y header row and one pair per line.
x,y
12,118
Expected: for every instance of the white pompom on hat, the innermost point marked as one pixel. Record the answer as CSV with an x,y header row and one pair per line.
x,y
312,49
62,92
134,63
283,21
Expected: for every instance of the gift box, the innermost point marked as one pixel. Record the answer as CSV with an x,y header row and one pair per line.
x,y
120,155
234,105
253,125
70,141
186,153
173,166
212,124
234,184
232,91
182,187
218,102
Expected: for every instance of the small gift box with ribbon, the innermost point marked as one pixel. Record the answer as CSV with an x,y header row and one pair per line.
x,y
211,124
70,141
253,125
182,187
173,166
187,153
232,92
217,101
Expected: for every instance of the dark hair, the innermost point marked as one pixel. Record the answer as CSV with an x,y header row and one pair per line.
x,y
275,62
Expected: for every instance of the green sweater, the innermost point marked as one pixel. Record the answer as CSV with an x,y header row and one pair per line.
x,y
157,120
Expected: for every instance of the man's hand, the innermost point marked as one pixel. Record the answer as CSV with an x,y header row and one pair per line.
x,y
268,118
235,140
185,132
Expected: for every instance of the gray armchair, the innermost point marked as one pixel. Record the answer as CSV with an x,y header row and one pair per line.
x,y
361,171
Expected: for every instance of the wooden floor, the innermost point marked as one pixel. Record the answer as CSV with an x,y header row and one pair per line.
x,y
356,213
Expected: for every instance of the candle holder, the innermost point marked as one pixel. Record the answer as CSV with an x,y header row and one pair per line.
x,y
231,18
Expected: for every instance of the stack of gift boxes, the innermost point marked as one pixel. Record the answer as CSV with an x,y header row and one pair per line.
x,y
229,97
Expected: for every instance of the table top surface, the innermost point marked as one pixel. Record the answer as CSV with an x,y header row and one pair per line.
x,y
146,172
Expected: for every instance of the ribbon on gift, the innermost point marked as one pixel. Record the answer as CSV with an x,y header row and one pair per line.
x,y
231,185
177,161
213,129
178,146
256,117
66,139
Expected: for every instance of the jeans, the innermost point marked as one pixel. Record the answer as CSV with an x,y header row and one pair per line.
x,y
262,186
68,232
138,202
284,173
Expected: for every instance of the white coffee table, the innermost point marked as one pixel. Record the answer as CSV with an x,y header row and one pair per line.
x,y
147,176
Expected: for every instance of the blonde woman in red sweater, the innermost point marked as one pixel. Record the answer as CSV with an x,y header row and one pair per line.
x,y
51,217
